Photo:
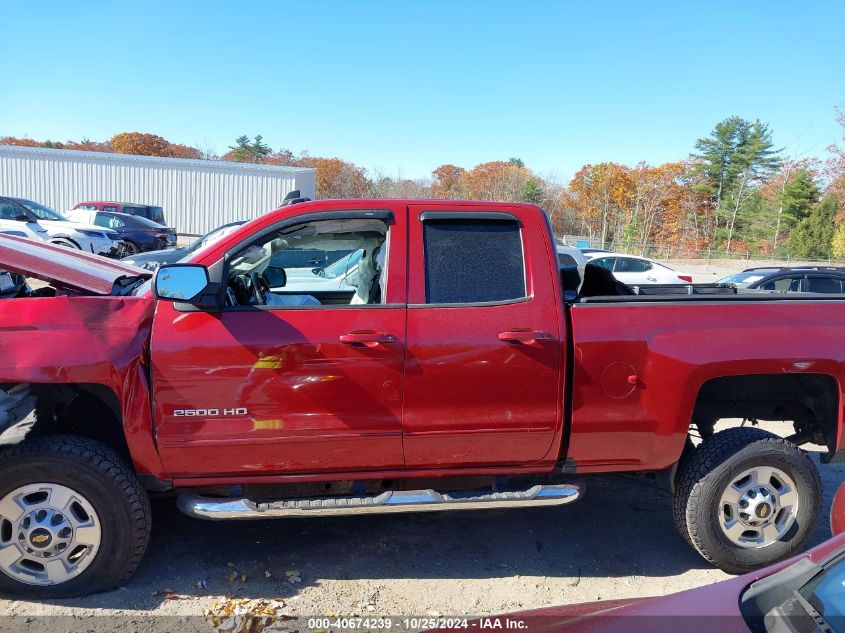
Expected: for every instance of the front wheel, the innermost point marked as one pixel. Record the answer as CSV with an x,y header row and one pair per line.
x,y
747,499
73,518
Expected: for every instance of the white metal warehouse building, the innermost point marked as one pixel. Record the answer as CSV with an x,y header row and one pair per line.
x,y
196,195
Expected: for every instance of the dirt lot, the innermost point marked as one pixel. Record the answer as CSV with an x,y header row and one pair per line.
x,y
619,541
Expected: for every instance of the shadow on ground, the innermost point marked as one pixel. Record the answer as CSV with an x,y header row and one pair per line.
x,y
622,527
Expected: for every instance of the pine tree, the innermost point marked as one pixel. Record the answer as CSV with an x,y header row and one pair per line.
x,y
813,236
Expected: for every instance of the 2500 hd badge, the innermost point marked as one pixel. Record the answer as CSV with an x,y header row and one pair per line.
x,y
209,413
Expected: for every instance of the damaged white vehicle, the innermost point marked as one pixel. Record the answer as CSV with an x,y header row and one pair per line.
x,y
26,218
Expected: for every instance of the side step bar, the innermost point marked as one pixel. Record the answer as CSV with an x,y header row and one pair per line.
x,y
218,509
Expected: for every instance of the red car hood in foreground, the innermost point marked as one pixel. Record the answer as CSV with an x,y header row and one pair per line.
x,y
63,266
706,609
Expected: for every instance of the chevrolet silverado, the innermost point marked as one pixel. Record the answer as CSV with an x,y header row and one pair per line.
x,y
451,371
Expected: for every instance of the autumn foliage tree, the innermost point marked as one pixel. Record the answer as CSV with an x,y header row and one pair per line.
x,y
735,193
142,144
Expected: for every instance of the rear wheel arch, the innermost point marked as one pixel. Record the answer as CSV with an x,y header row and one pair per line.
x,y
811,401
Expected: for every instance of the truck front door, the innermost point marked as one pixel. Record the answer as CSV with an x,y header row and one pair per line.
x,y
296,381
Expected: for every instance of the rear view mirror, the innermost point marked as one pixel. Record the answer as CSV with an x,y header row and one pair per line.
x,y
276,277
22,217
180,282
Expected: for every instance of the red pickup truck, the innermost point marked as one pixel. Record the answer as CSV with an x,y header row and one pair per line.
x,y
456,368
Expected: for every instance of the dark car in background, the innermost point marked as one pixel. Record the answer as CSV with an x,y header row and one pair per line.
x,y
138,233
151,212
154,259
821,279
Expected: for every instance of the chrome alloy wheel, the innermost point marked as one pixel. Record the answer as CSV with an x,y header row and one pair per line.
x,y
758,507
49,534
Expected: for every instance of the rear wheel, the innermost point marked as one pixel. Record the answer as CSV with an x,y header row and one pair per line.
x,y
131,248
73,518
746,498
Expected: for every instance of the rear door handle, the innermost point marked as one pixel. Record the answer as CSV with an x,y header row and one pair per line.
x,y
368,339
527,337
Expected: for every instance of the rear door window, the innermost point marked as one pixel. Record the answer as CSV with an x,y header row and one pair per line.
x,y
101,219
604,262
155,214
473,261
631,265
824,284
110,208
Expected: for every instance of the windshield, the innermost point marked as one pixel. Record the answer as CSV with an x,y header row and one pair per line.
x,y
213,236
40,211
340,267
743,280
826,594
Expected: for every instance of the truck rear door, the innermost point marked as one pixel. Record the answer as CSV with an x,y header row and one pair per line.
x,y
484,337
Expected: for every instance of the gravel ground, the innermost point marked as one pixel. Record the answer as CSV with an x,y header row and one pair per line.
x,y
619,541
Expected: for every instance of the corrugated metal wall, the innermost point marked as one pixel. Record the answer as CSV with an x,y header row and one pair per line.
x,y
196,195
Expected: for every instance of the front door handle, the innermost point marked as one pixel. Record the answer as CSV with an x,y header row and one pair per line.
x,y
528,337
366,338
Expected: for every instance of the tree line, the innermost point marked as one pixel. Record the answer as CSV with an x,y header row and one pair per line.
x,y
734,193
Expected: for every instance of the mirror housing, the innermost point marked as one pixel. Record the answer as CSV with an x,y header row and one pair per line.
x,y
184,283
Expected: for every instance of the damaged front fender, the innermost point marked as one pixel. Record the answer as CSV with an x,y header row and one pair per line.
x,y
78,342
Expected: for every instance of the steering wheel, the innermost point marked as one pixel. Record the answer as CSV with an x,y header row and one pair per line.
x,y
259,287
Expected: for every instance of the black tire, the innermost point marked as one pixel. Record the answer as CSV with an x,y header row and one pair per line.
x,y
97,473
131,248
703,478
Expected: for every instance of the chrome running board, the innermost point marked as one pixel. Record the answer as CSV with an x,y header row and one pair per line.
x,y
218,509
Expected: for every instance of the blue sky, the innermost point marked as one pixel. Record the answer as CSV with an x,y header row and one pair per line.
x,y
405,86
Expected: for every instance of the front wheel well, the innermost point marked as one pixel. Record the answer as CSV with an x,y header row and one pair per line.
x,y
809,401
82,409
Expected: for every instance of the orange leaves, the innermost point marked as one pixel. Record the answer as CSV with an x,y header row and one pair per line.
x,y
143,144
447,182
497,180
337,178
21,142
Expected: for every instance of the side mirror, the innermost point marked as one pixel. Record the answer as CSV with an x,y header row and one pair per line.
x,y
276,277
23,217
187,283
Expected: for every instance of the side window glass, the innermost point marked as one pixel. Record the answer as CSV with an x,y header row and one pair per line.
x,y
630,265
279,270
102,220
473,261
824,284
784,284
604,262
110,208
